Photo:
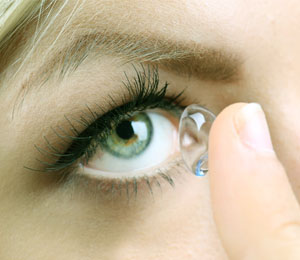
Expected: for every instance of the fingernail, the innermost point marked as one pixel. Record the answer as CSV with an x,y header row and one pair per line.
x,y
252,127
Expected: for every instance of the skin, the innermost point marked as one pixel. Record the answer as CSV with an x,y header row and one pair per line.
x,y
42,218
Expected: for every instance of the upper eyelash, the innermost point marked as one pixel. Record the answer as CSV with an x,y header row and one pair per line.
x,y
143,93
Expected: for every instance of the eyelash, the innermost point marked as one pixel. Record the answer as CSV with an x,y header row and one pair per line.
x,y
143,92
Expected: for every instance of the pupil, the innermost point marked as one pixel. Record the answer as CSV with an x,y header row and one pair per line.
x,y
124,130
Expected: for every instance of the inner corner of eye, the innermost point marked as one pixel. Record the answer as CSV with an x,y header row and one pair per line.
x,y
137,146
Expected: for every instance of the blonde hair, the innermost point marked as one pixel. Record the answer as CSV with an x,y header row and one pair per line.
x,y
15,17
14,14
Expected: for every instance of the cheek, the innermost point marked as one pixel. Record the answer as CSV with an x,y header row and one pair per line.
x,y
174,223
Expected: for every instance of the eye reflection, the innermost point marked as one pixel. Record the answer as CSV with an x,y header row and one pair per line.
x,y
136,146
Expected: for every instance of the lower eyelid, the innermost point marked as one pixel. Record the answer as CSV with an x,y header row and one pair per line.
x,y
127,188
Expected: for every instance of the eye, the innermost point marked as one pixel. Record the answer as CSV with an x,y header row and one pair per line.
x,y
136,146
136,139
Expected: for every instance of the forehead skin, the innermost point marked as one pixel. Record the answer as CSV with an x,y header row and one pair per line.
x,y
40,220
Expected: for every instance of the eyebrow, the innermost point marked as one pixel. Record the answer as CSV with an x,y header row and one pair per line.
x,y
184,58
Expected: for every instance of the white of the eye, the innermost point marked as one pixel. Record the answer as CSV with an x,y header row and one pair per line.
x,y
161,146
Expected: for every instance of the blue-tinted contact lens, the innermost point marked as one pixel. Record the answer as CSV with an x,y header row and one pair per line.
x,y
194,127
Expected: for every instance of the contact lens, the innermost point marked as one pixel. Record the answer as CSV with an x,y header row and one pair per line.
x,y
194,127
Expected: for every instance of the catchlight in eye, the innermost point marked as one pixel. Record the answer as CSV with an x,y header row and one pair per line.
x,y
195,124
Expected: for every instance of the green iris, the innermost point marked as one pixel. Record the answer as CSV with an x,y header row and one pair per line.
x,y
130,137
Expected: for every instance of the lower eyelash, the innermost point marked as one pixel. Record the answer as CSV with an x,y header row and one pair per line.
x,y
126,188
